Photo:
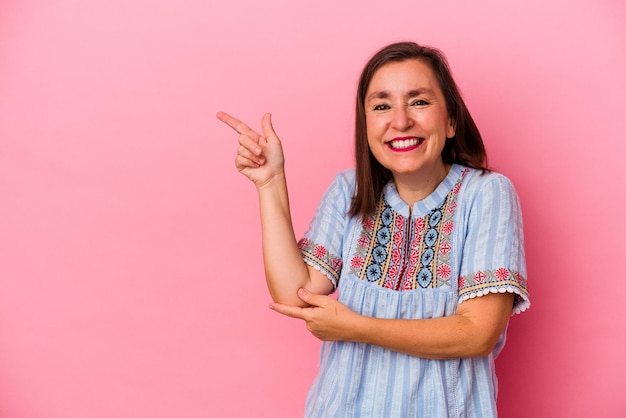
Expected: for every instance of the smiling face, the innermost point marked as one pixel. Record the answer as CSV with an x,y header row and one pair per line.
x,y
407,121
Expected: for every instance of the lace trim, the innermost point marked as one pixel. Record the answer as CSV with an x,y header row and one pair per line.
x,y
328,274
521,299
321,259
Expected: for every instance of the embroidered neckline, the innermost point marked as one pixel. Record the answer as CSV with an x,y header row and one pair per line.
x,y
381,255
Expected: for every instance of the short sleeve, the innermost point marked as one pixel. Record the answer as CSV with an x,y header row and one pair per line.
x,y
493,258
321,245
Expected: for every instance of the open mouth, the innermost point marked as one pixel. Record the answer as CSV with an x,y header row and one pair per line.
x,y
405,144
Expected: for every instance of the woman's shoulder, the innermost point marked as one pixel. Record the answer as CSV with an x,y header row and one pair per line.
x,y
340,191
487,186
345,180
347,176
476,180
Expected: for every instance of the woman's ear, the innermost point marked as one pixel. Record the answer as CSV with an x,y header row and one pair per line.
x,y
451,132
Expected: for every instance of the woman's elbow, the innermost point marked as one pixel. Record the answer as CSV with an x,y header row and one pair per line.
x,y
484,345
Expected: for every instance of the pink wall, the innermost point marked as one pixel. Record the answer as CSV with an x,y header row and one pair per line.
x,y
130,274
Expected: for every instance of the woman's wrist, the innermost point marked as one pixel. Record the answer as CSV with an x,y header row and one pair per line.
x,y
276,181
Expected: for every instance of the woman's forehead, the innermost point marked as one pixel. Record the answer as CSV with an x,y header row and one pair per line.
x,y
410,77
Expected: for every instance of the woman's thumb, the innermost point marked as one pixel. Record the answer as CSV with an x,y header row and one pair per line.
x,y
266,125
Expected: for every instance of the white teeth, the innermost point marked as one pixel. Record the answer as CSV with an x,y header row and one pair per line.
x,y
404,143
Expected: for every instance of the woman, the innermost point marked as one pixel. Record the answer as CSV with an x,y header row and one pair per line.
x,y
422,241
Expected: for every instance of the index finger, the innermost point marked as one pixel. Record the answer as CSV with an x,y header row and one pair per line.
x,y
287,310
237,125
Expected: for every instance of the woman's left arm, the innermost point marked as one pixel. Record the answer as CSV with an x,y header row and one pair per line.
x,y
472,332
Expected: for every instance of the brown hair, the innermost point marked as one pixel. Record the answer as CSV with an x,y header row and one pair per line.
x,y
465,148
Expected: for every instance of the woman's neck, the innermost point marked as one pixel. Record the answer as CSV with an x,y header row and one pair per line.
x,y
415,187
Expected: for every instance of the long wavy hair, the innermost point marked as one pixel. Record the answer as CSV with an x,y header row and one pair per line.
x,y
465,148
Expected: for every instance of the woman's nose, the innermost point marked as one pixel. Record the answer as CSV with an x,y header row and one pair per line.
x,y
401,118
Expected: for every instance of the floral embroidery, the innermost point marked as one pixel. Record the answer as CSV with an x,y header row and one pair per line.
x,y
397,239
406,285
368,223
419,225
405,254
480,282
427,256
319,251
336,264
444,271
502,273
318,255
424,277
383,235
393,272
431,237
387,216
379,254
378,233
479,276
396,256
373,272
357,262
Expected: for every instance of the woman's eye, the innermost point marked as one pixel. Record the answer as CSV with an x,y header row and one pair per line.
x,y
380,107
419,103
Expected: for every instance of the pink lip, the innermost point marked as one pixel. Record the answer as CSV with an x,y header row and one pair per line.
x,y
402,138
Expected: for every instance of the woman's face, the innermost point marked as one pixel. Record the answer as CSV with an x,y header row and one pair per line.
x,y
407,120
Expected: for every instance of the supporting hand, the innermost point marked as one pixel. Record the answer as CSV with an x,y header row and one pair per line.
x,y
325,318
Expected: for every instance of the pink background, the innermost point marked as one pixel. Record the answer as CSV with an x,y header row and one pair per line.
x,y
131,280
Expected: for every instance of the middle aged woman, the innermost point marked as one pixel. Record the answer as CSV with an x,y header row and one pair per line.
x,y
423,242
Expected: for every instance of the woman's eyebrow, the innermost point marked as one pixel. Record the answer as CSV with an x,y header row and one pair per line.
x,y
378,95
417,92
411,93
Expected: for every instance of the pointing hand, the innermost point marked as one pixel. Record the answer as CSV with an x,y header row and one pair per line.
x,y
259,157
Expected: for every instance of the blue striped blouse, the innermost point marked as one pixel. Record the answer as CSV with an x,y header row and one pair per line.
x,y
463,241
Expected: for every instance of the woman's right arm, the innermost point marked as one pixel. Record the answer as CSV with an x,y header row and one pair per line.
x,y
260,158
